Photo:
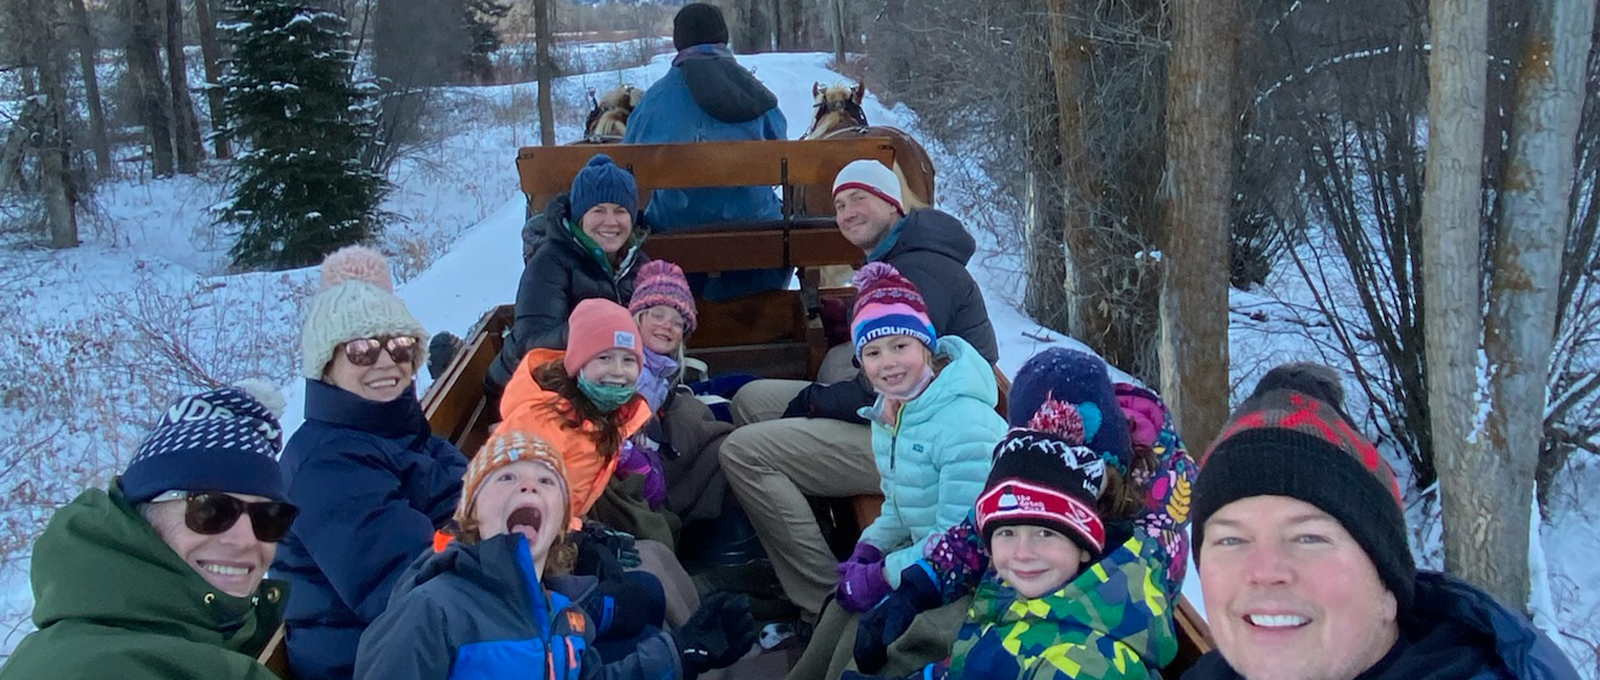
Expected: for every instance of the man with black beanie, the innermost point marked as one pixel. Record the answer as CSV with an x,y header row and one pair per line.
x,y
708,97
1300,541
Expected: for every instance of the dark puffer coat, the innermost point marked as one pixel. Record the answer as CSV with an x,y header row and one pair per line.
x,y
1454,632
373,484
932,249
480,611
560,274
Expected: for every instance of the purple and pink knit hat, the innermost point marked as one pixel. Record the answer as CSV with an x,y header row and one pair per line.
x,y
662,283
889,304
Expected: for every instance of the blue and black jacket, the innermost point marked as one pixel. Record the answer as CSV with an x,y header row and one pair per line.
x,y
480,611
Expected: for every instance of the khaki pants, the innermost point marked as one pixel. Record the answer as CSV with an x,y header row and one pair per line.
x,y
833,643
683,599
772,464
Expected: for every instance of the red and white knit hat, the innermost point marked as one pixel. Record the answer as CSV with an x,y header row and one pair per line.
x,y
872,177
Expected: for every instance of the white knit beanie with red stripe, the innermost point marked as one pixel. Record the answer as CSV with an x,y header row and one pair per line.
x,y
874,178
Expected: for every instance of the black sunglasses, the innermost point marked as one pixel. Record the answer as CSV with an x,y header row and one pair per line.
x,y
210,514
364,351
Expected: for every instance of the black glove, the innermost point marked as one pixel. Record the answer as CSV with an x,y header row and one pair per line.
x,y
800,405
595,558
720,633
885,623
620,543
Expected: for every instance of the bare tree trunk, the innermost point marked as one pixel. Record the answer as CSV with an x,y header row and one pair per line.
x,y
836,11
1520,329
546,72
1085,264
211,58
145,69
1045,296
1482,532
87,51
185,128
1202,101
41,45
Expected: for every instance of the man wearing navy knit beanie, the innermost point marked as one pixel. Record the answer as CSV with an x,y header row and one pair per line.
x,y
161,575
1300,542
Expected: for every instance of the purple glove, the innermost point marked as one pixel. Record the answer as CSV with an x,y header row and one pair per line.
x,y
862,579
643,460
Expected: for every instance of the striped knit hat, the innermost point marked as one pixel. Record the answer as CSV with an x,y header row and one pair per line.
x,y
889,304
662,283
504,448
872,177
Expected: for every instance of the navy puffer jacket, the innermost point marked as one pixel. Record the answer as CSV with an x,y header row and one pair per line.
x,y
373,484
1455,632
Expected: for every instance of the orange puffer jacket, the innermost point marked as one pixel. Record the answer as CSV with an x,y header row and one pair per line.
x,y
527,407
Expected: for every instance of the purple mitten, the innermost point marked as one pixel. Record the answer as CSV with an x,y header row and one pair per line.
x,y
655,479
632,460
862,583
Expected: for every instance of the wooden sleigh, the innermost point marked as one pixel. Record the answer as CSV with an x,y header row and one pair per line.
x,y
777,334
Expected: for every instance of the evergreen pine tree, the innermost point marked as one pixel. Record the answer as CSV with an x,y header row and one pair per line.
x,y
300,189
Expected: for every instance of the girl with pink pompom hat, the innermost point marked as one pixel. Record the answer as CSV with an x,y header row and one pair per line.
x,y
372,481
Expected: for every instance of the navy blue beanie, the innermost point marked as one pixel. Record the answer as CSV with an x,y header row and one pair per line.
x,y
224,440
602,181
1079,379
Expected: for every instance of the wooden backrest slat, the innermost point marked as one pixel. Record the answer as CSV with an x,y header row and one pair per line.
x,y
546,171
754,248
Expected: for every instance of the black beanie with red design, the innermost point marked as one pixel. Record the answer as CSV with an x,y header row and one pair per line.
x,y
1292,438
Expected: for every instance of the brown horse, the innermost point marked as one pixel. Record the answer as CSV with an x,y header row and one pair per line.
x,y
608,116
839,113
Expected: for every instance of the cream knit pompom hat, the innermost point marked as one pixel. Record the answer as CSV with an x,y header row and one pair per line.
x,y
355,299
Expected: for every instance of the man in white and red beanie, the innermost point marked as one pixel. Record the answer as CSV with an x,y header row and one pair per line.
x,y
800,439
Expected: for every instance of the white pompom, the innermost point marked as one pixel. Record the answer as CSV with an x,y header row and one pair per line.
x,y
265,392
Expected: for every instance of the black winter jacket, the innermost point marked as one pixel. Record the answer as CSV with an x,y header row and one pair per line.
x,y
480,612
559,275
931,249
1456,632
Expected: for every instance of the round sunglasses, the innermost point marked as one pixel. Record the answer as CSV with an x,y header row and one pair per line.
x,y
209,514
364,351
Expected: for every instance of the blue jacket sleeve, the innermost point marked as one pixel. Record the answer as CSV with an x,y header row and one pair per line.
x,y
358,526
774,126
407,642
656,658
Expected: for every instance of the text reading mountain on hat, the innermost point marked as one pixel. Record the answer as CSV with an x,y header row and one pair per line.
x,y
889,304
355,299
221,440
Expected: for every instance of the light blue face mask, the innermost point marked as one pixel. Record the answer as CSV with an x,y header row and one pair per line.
x,y
607,398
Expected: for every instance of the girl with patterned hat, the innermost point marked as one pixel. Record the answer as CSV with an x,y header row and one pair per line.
x,y
585,401
454,615
688,432
933,426
1062,542
372,481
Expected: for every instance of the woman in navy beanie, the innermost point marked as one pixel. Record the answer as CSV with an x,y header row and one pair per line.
x,y
588,247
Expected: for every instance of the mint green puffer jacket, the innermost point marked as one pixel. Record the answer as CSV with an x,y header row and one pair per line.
x,y
934,462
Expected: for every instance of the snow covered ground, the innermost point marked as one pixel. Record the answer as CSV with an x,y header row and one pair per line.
x,y
105,330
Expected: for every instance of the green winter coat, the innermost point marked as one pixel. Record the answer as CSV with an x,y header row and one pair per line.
x,y
111,600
